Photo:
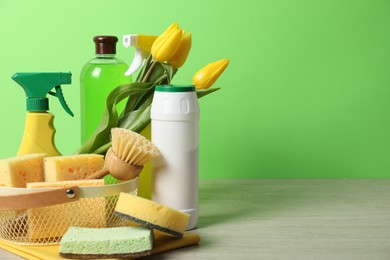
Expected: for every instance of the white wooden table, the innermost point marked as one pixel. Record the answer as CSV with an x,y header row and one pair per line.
x,y
289,219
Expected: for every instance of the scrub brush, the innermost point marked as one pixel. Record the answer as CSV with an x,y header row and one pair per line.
x,y
127,155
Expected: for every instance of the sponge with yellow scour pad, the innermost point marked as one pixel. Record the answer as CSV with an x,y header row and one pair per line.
x,y
151,214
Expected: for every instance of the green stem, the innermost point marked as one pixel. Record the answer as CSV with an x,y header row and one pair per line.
x,y
150,70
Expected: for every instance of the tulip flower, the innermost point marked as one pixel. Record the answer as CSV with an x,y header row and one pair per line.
x,y
182,51
165,46
206,77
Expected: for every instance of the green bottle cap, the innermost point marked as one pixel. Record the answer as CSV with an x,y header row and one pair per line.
x,y
37,104
175,88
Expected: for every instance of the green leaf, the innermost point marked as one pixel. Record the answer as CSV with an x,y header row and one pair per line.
x,y
128,118
135,100
102,149
146,99
169,71
141,121
201,93
162,73
132,102
144,69
101,136
139,101
133,118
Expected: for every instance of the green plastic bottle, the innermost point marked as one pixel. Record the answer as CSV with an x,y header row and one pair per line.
x,y
97,79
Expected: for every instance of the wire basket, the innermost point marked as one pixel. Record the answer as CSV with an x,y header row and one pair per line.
x,y
42,216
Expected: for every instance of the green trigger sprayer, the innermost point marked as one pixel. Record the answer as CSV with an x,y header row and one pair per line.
x,y
39,130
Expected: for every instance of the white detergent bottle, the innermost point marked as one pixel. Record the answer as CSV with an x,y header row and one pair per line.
x,y
175,131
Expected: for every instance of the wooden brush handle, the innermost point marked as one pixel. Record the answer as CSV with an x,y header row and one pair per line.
x,y
99,174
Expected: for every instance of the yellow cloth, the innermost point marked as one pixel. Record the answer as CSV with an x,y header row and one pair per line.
x,y
163,243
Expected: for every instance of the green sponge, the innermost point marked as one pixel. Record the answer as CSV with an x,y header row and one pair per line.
x,y
118,242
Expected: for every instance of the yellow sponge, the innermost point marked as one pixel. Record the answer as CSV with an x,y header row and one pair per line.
x,y
17,171
72,167
151,214
54,221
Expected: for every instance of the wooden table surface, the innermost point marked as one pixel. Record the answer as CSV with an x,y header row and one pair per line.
x,y
289,219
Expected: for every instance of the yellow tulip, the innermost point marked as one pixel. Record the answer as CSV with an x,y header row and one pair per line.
x,y
182,51
206,76
165,46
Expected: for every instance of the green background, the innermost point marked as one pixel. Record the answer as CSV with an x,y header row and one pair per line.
x,y
306,95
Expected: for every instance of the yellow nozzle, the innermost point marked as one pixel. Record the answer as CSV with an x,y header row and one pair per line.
x,y
145,42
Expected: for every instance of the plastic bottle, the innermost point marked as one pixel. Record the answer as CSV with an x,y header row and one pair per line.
x,y
142,44
39,130
98,78
175,128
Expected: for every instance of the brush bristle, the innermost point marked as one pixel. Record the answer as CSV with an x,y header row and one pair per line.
x,y
132,147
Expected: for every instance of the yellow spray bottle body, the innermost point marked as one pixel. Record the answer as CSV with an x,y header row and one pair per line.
x,y
39,129
38,135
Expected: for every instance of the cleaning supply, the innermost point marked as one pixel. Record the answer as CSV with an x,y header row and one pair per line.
x,y
127,156
19,170
52,209
175,127
39,130
145,179
162,243
151,214
61,215
96,243
143,45
132,147
72,167
98,78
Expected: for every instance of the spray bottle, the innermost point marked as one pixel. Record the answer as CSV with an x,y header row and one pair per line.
x,y
142,45
39,129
